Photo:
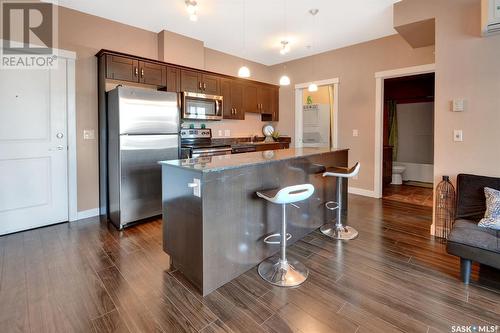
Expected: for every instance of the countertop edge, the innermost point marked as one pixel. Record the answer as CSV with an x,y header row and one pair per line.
x,y
218,169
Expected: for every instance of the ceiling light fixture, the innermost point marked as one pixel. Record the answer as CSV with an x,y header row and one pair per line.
x,y
244,71
313,86
192,9
285,47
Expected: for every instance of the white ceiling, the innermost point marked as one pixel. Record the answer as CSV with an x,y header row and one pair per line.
x,y
220,23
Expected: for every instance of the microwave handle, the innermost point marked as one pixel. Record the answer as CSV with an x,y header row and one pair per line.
x,y
217,106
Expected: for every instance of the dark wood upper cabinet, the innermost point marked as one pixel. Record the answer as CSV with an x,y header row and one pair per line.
x,y
237,100
232,92
122,68
240,95
151,73
173,79
190,81
210,84
250,101
264,94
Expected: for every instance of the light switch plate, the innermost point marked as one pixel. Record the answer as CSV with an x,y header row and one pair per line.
x,y
458,135
355,132
88,134
458,105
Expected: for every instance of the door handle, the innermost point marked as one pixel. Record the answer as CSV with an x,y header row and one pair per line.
x,y
59,135
192,185
60,147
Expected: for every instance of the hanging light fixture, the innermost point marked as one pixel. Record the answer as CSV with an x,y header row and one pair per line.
x,y
192,9
284,80
285,48
313,86
244,71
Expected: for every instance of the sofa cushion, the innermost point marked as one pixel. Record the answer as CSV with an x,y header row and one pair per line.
x,y
492,215
471,203
469,233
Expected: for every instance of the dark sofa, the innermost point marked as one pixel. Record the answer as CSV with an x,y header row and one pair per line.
x,y
466,240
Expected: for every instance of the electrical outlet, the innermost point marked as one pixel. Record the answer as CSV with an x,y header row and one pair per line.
x,y
458,136
219,133
227,132
88,134
355,132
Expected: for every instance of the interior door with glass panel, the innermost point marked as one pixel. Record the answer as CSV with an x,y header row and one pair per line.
x,y
33,148
317,117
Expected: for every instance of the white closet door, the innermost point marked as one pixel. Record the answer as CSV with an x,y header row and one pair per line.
x,y
33,148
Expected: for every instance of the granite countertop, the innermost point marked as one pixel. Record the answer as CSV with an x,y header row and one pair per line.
x,y
234,161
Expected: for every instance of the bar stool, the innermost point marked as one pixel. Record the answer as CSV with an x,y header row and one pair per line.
x,y
338,230
280,270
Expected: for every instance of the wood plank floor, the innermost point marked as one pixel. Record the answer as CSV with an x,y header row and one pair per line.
x,y
86,276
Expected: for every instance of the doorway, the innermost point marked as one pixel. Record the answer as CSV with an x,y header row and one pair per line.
x,y
408,139
316,115
38,146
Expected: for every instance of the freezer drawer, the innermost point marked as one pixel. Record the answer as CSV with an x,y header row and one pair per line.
x,y
140,194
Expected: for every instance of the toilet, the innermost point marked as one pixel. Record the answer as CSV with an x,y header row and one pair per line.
x,y
397,174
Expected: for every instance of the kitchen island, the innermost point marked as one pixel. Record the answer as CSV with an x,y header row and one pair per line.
x,y
214,223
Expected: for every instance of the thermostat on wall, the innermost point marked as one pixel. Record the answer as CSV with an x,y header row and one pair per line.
x,y
458,105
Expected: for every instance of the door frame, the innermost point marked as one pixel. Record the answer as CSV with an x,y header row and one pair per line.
x,y
298,110
70,59
380,77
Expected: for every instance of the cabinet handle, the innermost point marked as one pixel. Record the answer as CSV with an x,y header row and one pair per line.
x,y
204,86
199,85
136,71
142,72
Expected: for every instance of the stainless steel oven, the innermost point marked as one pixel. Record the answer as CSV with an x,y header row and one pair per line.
x,y
201,106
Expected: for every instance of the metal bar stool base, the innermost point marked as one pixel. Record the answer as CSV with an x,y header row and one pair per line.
x,y
338,232
281,273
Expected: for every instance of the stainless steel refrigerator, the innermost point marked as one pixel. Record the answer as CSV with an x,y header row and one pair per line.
x,y
143,128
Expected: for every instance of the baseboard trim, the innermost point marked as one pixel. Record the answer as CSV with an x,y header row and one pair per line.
x,y
363,192
85,214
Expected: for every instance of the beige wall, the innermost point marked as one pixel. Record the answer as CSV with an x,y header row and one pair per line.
x,y
355,66
86,35
467,66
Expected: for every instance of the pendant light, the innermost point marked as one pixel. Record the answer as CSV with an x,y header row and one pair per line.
x,y
244,71
313,86
285,48
192,8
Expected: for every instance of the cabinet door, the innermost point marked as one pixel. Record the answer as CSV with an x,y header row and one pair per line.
x,y
122,68
264,99
237,100
250,101
275,104
190,81
211,84
151,73
225,91
173,79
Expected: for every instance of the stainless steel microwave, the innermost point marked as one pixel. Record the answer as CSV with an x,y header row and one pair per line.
x,y
201,106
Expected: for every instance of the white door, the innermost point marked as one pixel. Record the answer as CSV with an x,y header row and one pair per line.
x,y
33,148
